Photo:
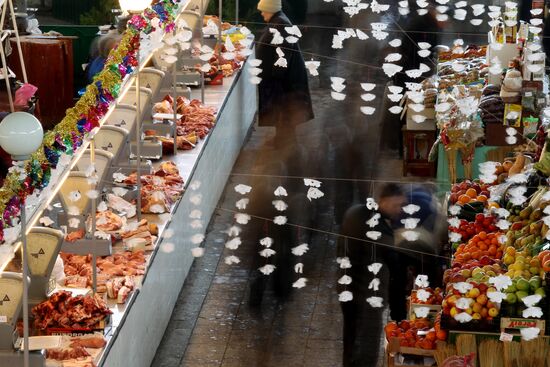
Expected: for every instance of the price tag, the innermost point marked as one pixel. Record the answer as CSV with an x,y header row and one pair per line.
x,y
3,319
505,337
528,94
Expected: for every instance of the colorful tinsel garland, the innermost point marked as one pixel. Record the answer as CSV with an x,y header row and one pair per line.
x,y
70,133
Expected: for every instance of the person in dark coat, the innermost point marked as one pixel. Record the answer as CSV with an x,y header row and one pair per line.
x,y
284,97
363,323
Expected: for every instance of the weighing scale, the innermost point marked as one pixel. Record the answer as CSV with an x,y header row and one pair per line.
x,y
11,295
43,245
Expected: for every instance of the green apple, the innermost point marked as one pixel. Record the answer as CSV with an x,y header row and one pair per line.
x,y
511,298
535,282
540,292
521,294
522,284
511,289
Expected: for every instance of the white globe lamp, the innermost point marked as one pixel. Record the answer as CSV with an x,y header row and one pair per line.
x,y
134,6
20,135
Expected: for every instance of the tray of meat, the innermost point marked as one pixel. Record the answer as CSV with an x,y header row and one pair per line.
x,y
62,313
79,351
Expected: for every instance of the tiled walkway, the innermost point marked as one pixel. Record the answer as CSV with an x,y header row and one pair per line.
x,y
212,324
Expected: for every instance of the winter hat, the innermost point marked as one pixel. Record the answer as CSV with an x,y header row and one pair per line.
x,y
270,6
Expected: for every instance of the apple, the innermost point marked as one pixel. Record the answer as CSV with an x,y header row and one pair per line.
x,y
486,260
521,295
535,282
453,312
451,301
476,316
477,307
493,312
483,288
522,284
484,312
466,273
540,292
473,293
511,289
482,299
511,298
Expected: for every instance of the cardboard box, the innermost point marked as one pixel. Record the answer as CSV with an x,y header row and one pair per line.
x,y
428,124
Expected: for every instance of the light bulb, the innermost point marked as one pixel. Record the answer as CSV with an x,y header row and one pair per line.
x,y
21,134
134,6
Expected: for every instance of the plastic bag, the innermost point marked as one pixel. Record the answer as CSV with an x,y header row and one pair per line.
x,y
24,94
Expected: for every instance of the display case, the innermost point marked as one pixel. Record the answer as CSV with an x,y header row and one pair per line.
x,y
90,205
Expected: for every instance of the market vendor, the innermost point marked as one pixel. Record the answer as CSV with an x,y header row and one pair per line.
x,y
104,46
284,97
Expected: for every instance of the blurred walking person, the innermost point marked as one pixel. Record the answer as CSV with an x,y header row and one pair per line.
x,y
284,97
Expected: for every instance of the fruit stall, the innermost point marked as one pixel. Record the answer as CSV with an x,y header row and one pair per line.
x,y
103,229
492,119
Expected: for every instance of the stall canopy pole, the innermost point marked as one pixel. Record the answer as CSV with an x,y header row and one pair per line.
x,y
175,107
201,20
93,213
236,12
220,34
25,284
17,39
5,70
138,135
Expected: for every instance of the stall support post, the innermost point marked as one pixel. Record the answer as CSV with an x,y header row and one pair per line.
x,y
138,135
22,3
175,107
236,12
93,213
220,33
203,10
25,284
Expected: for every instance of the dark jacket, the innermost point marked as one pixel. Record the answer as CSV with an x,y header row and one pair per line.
x,y
360,252
284,92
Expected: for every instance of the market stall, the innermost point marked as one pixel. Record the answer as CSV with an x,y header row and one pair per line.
x,y
126,186
491,116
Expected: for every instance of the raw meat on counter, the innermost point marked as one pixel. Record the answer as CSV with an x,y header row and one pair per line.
x,y
108,221
120,288
122,206
78,269
196,122
160,190
76,351
65,311
141,231
75,235
61,354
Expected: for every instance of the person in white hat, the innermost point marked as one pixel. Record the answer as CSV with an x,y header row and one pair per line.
x,y
284,97
269,7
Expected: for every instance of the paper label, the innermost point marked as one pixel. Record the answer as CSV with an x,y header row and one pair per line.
x,y
505,337
3,319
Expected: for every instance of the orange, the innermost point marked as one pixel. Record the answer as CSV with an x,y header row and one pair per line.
x,y
492,204
482,235
441,335
464,199
482,198
472,193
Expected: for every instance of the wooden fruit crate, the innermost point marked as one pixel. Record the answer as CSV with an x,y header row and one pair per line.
x,y
434,310
513,325
393,350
